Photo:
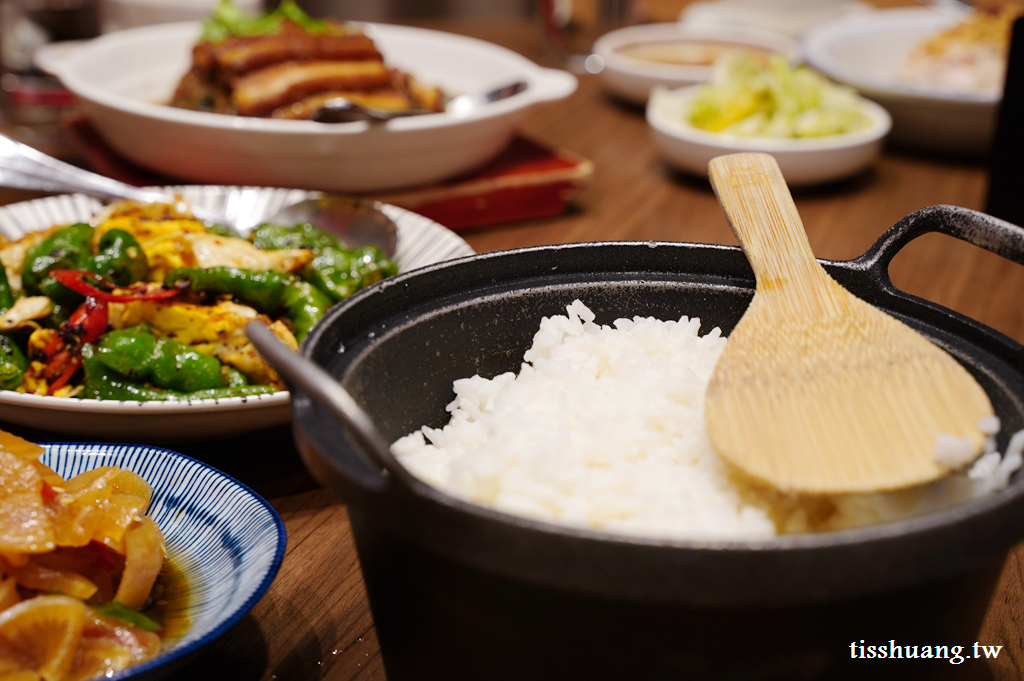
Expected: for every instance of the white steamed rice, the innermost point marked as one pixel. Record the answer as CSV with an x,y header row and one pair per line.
x,y
603,428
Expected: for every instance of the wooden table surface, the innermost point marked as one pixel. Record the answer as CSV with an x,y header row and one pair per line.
x,y
315,622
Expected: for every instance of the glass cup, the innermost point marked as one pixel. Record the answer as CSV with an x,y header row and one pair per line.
x,y
570,27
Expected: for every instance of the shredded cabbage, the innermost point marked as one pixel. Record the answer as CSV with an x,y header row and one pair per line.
x,y
748,96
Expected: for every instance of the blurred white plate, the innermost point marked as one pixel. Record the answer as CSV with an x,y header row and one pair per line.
x,y
791,17
803,161
632,78
866,51
48,58
124,79
117,15
420,242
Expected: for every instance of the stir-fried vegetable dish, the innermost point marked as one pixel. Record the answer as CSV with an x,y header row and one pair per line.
x,y
752,96
79,560
151,304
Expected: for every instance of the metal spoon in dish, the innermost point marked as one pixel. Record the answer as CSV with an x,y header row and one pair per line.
x,y
344,110
356,221
817,391
322,388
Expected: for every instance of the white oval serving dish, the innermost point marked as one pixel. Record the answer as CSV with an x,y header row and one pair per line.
x,y
123,81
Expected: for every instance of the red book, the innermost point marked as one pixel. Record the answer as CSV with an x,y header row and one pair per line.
x,y
528,180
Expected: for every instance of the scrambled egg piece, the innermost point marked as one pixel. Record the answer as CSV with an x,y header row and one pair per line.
x,y
170,243
210,250
216,330
163,241
12,254
24,311
184,322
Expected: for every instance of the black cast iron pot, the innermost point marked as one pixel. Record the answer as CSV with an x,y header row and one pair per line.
x,y
462,592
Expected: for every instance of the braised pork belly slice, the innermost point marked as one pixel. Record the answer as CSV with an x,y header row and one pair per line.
x,y
424,96
291,73
388,100
196,93
233,59
261,92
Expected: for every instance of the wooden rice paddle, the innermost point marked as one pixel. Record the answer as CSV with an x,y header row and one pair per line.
x,y
818,391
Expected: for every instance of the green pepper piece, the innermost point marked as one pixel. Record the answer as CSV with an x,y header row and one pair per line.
x,y
103,383
13,363
59,314
164,363
233,378
304,306
331,271
336,270
269,237
127,351
221,230
262,290
120,259
373,264
68,248
125,614
340,273
6,294
59,293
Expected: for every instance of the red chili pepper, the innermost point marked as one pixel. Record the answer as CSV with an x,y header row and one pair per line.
x,y
76,280
55,365
53,347
89,321
69,370
85,325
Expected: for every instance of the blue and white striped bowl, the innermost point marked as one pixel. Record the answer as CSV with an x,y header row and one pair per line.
x,y
227,540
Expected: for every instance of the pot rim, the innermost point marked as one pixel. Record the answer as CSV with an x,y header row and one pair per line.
x,y
787,542
871,558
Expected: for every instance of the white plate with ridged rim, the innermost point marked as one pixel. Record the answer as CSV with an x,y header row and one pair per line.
x,y
420,242
226,540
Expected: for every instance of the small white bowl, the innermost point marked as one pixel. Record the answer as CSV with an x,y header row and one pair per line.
x,y
865,52
803,161
632,78
124,80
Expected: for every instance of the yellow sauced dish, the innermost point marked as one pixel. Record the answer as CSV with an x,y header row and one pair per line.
x,y
79,560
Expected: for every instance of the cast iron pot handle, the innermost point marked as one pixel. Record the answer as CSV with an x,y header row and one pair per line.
x,y
992,234
365,466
